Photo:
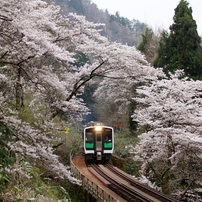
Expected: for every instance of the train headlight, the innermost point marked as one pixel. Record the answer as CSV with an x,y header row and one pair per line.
x,y
98,128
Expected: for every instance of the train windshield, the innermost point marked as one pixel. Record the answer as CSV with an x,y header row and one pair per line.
x,y
89,137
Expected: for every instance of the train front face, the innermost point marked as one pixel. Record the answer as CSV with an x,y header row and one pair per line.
x,y
98,143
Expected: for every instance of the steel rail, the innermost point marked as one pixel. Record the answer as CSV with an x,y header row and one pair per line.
x,y
140,186
121,189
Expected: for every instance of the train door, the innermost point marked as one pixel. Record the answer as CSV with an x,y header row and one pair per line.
x,y
99,145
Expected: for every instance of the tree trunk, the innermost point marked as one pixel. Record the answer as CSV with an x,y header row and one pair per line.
x,y
18,89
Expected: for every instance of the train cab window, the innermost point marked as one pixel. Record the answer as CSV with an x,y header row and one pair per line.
x,y
89,137
108,135
108,142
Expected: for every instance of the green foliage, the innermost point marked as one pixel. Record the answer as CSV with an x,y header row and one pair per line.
x,y
5,157
34,188
5,133
60,192
148,45
146,38
74,139
4,181
75,191
181,49
162,58
122,144
30,183
5,160
133,167
71,140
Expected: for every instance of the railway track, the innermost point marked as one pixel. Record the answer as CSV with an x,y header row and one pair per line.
x,y
125,186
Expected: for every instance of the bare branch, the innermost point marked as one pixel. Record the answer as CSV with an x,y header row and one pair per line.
x,y
5,18
81,82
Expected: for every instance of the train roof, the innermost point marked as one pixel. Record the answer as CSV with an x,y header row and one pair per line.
x,y
92,123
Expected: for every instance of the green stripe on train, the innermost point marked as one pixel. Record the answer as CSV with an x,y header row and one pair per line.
x,y
89,145
107,145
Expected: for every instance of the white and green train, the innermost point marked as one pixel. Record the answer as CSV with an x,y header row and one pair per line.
x,y
98,142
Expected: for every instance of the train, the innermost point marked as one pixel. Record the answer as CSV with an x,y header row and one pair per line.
x,y
98,142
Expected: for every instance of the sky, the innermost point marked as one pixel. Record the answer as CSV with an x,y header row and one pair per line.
x,y
156,13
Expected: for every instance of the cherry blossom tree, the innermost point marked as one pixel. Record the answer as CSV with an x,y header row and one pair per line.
x,y
118,87
37,51
40,76
170,110
29,35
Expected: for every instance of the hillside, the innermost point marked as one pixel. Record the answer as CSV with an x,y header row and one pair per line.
x,y
118,28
